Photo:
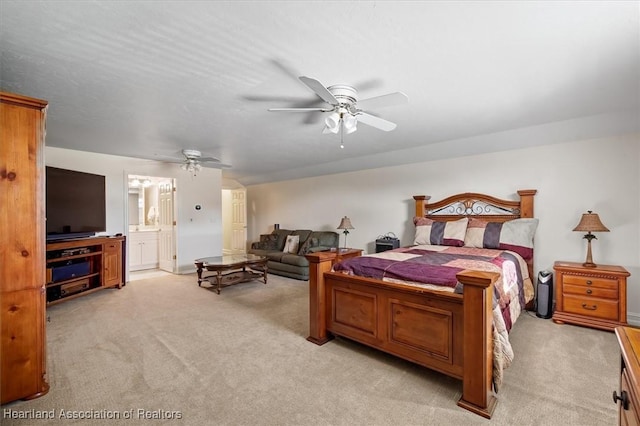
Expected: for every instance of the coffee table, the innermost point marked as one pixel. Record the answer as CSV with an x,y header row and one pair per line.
x,y
231,269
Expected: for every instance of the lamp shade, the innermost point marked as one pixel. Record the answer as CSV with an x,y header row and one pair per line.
x,y
345,223
332,123
590,222
350,123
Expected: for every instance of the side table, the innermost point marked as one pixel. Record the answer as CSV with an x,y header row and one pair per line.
x,y
345,253
591,296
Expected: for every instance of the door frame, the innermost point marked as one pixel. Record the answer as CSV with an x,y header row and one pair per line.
x,y
129,175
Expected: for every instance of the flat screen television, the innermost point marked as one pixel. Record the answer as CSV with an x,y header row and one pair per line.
x,y
75,204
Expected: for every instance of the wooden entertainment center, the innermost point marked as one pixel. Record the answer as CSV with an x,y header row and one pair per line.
x,y
82,266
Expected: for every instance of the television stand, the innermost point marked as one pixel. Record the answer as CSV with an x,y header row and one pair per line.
x,y
81,266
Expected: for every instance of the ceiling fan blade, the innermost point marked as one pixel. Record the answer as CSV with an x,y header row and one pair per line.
x,y
320,90
208,159
271,98
167,159
377,122
299,109
390,99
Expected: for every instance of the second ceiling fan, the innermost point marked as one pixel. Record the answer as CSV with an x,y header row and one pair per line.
x,y
346,111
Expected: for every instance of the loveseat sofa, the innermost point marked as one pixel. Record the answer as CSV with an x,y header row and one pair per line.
x,y
293,264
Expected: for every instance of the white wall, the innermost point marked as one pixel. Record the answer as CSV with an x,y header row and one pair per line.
x,y
199,232
598,174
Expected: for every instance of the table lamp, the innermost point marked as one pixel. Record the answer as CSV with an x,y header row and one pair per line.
x,y
590,222
345,224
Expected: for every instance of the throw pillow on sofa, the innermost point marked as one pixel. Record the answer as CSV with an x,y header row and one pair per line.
x,y
269,242
291,244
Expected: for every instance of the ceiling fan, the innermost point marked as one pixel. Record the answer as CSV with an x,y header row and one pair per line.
x,y
192,161
345,109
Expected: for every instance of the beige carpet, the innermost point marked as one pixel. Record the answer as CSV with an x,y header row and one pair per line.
x,y
166,347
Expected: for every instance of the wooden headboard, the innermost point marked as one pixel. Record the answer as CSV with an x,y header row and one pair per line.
x,y
473,205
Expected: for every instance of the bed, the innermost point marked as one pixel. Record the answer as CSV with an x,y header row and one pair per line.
x,y
448,328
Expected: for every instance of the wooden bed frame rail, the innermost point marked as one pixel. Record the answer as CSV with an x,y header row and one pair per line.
x,y
443,331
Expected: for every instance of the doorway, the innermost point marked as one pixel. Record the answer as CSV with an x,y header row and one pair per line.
x,y
234,221
151,225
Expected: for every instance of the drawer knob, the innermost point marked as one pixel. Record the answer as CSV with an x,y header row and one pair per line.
x,y
589,291
624,399
590,308
589,282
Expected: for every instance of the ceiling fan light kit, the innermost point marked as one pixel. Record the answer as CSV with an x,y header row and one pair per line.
x,y
191,167
340,118
344,110
192,160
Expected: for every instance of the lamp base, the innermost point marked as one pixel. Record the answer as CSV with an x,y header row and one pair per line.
x,y
589,261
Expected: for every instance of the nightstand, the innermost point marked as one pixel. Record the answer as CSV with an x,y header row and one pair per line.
x,y
346,253
592,297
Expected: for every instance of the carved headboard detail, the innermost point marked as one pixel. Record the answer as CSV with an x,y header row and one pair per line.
x,y
471,204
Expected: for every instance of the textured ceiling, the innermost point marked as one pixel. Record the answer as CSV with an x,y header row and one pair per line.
x,y
147,79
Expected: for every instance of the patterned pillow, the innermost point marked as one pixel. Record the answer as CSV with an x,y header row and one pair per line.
x,y
446,233
291,246
515,235
268,242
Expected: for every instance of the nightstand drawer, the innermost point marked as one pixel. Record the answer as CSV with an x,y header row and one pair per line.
x,y
592,307
605,293
590,282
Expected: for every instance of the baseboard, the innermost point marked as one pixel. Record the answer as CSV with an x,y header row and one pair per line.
x,y
633,319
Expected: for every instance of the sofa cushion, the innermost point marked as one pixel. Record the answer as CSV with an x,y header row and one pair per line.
x,y
326,238
303,234
306,247
294,259
275,255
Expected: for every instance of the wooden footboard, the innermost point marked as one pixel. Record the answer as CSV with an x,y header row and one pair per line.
x,y
447,332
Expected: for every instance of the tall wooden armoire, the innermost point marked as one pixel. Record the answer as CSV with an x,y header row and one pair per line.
x,y
22,248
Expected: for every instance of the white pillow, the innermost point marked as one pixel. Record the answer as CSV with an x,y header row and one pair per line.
x,y
291,246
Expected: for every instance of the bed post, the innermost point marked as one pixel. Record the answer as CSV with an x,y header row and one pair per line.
x,y
319,263
526,202
526,210
477,377
420,200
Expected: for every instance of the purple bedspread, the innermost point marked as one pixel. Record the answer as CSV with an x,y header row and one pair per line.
x,y
437,265
428,267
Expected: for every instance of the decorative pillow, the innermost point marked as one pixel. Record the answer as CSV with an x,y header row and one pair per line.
x,y
307,245
291,245
515,235
269,242
445,233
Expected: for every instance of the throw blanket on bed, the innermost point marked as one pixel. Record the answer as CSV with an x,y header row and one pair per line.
x,y
436,267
